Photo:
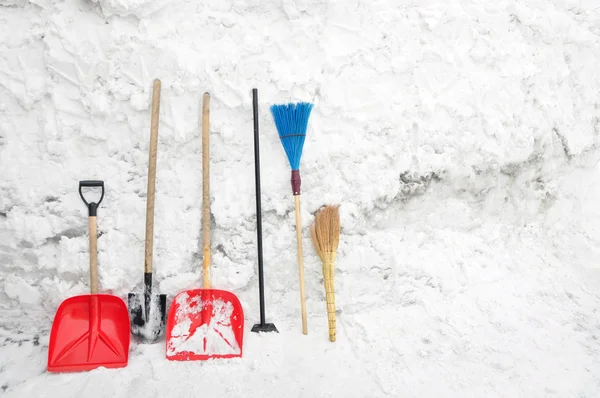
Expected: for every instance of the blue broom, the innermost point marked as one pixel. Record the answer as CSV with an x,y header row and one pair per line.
x,y
291,121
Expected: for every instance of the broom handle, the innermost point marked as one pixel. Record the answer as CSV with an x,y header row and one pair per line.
x,y
300,263
206,189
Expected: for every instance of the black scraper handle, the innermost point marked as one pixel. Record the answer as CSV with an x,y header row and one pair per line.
x,y
262,326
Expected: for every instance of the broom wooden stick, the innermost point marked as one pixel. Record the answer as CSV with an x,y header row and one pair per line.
x,y
325,234
300,257
291,121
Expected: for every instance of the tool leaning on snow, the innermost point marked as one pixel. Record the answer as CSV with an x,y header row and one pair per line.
x,y
263,326
90,330
325,235
291,121
205,323
147,310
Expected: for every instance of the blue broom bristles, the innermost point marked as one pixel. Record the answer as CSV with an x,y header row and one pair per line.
x,y
291,121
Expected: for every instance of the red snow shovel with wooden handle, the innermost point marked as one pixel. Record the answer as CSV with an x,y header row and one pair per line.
x,y
205,323
91,330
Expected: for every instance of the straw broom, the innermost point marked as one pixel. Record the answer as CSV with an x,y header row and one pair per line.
x,y
325,234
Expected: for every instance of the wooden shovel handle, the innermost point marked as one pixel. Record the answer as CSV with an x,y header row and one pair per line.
x,y
92,212
152,177
93,255
206,189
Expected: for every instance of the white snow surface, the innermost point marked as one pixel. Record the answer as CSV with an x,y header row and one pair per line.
x,y
460,137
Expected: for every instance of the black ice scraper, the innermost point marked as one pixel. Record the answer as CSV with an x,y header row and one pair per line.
x,y
262,326
147,310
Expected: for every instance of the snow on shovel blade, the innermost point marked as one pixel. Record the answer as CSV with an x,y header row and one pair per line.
x,y
89,331
147,313
204,324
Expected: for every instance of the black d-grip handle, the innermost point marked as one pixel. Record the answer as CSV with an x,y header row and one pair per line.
x,y
92,206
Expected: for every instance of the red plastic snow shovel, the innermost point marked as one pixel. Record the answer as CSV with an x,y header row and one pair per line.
x,y
92,330
205,323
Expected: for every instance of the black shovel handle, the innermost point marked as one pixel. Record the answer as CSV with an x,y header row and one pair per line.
x,y
92,206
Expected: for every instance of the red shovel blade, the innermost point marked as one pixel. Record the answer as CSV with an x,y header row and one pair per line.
x,y
89,331
204,324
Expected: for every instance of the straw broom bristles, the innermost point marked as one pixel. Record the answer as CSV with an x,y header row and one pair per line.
x,y
325,234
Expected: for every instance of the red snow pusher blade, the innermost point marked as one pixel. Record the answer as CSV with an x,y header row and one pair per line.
x,y
205,323
89,332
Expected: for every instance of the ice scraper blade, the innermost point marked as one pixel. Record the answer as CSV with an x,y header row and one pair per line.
x,y
90,330
205,323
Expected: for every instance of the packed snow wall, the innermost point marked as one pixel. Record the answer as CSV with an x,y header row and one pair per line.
x,y
434,123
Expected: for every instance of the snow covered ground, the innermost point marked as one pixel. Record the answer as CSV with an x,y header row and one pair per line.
x,y
460,137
